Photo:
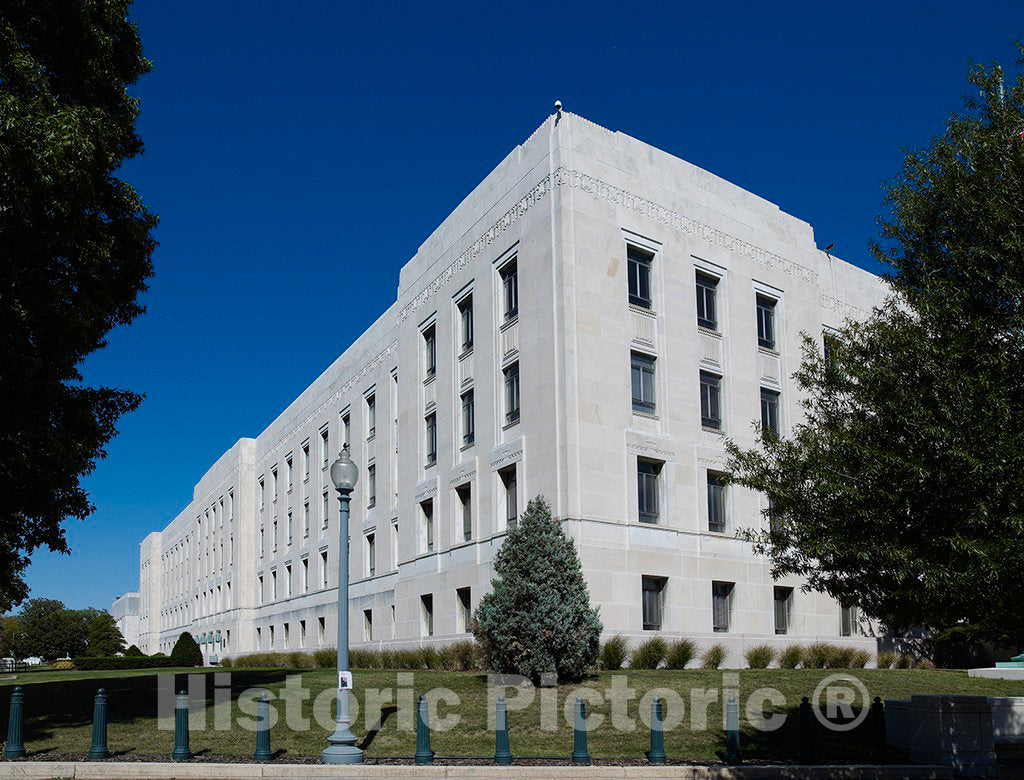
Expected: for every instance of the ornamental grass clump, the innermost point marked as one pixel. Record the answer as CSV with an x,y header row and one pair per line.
x,y
649,654
680,653
537,619
713,657
791,657
613,653
760,656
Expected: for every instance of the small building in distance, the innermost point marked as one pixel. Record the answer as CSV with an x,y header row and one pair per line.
x,y
125,611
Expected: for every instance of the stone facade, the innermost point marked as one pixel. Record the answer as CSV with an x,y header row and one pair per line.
x,y
125,611
537,261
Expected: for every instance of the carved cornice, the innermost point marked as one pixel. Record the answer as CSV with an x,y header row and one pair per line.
x,y
843,309
649,448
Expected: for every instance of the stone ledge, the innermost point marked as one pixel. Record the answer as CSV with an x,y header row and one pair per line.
x,y
117,770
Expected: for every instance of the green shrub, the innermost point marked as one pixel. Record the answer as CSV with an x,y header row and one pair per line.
x,y
227,663
859,658
925,663
263,661
94,663
538,619
325,659
791,657
680,653
817,655
613,653
649,654
133,652
300,661
886,659
63,664
760,656
904,661
430,657
186,651
713,657
408,658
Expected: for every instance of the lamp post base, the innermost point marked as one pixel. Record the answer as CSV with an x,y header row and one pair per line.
x,y
342,754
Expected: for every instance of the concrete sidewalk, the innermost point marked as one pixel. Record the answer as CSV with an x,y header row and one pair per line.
x,y
126,770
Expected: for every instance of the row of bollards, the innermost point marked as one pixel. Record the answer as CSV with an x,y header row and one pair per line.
x,y
98,750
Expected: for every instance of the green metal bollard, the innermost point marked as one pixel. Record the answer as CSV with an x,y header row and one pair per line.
x,y
656,755
98,749
502,755
580,755
878,751
15,739
733,755
181,750
263,752
806,732
424,755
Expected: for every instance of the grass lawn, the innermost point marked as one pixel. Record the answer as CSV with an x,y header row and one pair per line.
x,y
58,712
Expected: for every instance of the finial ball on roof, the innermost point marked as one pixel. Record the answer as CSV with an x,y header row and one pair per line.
x,y
558,106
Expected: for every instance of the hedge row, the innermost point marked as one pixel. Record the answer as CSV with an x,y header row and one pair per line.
x,y
88,663
656,653
456,657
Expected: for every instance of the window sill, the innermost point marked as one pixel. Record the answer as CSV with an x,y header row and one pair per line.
x,y
468,446
512,424
466,352
716,431
713,332
430,378
641,309
767,350
508,322
648,415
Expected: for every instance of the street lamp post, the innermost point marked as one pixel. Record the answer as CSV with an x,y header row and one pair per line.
x,y
342,749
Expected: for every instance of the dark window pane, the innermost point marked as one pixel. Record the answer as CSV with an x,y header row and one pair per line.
x,y
721,594
639,268
647,475
710,400
770,411
707,289
652,591
642,381
765,322
716,503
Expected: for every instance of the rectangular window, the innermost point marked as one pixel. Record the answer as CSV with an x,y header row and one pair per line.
x,y
371,554
512,393
652,593
765,322
510,290
783,609
259,638
468,418
289,526
427,607
371,486
642,374
305,575
302,633
287,626
707,305
271,637
648,474
325,448
320,630
639,263
323,569
769,412
262,541
367,625
508,481
288,466
273,538
288,581
263,494
466,505
849,621
273,585
464,610
259,588
305,461
466,322
324,511
710,400
716,503
427,508
430,352
346,429
721,604
273,475
394,546
371,417
431,423
305,519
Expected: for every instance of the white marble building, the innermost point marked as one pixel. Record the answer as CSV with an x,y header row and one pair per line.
x,y
125,611
589,324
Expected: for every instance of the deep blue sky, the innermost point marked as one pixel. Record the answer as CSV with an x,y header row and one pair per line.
x,y
299,153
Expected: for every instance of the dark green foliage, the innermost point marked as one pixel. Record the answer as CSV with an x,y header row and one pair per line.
x,y
104,636
818,655
613,653
713,657
133,652
903,490
186,651
680,653
648,654
759,656
75,246
45,628
537,618
91,663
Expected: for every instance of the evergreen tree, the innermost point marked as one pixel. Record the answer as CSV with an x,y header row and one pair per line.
x,y
134,652
105,637
537,617
186,651
902,490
